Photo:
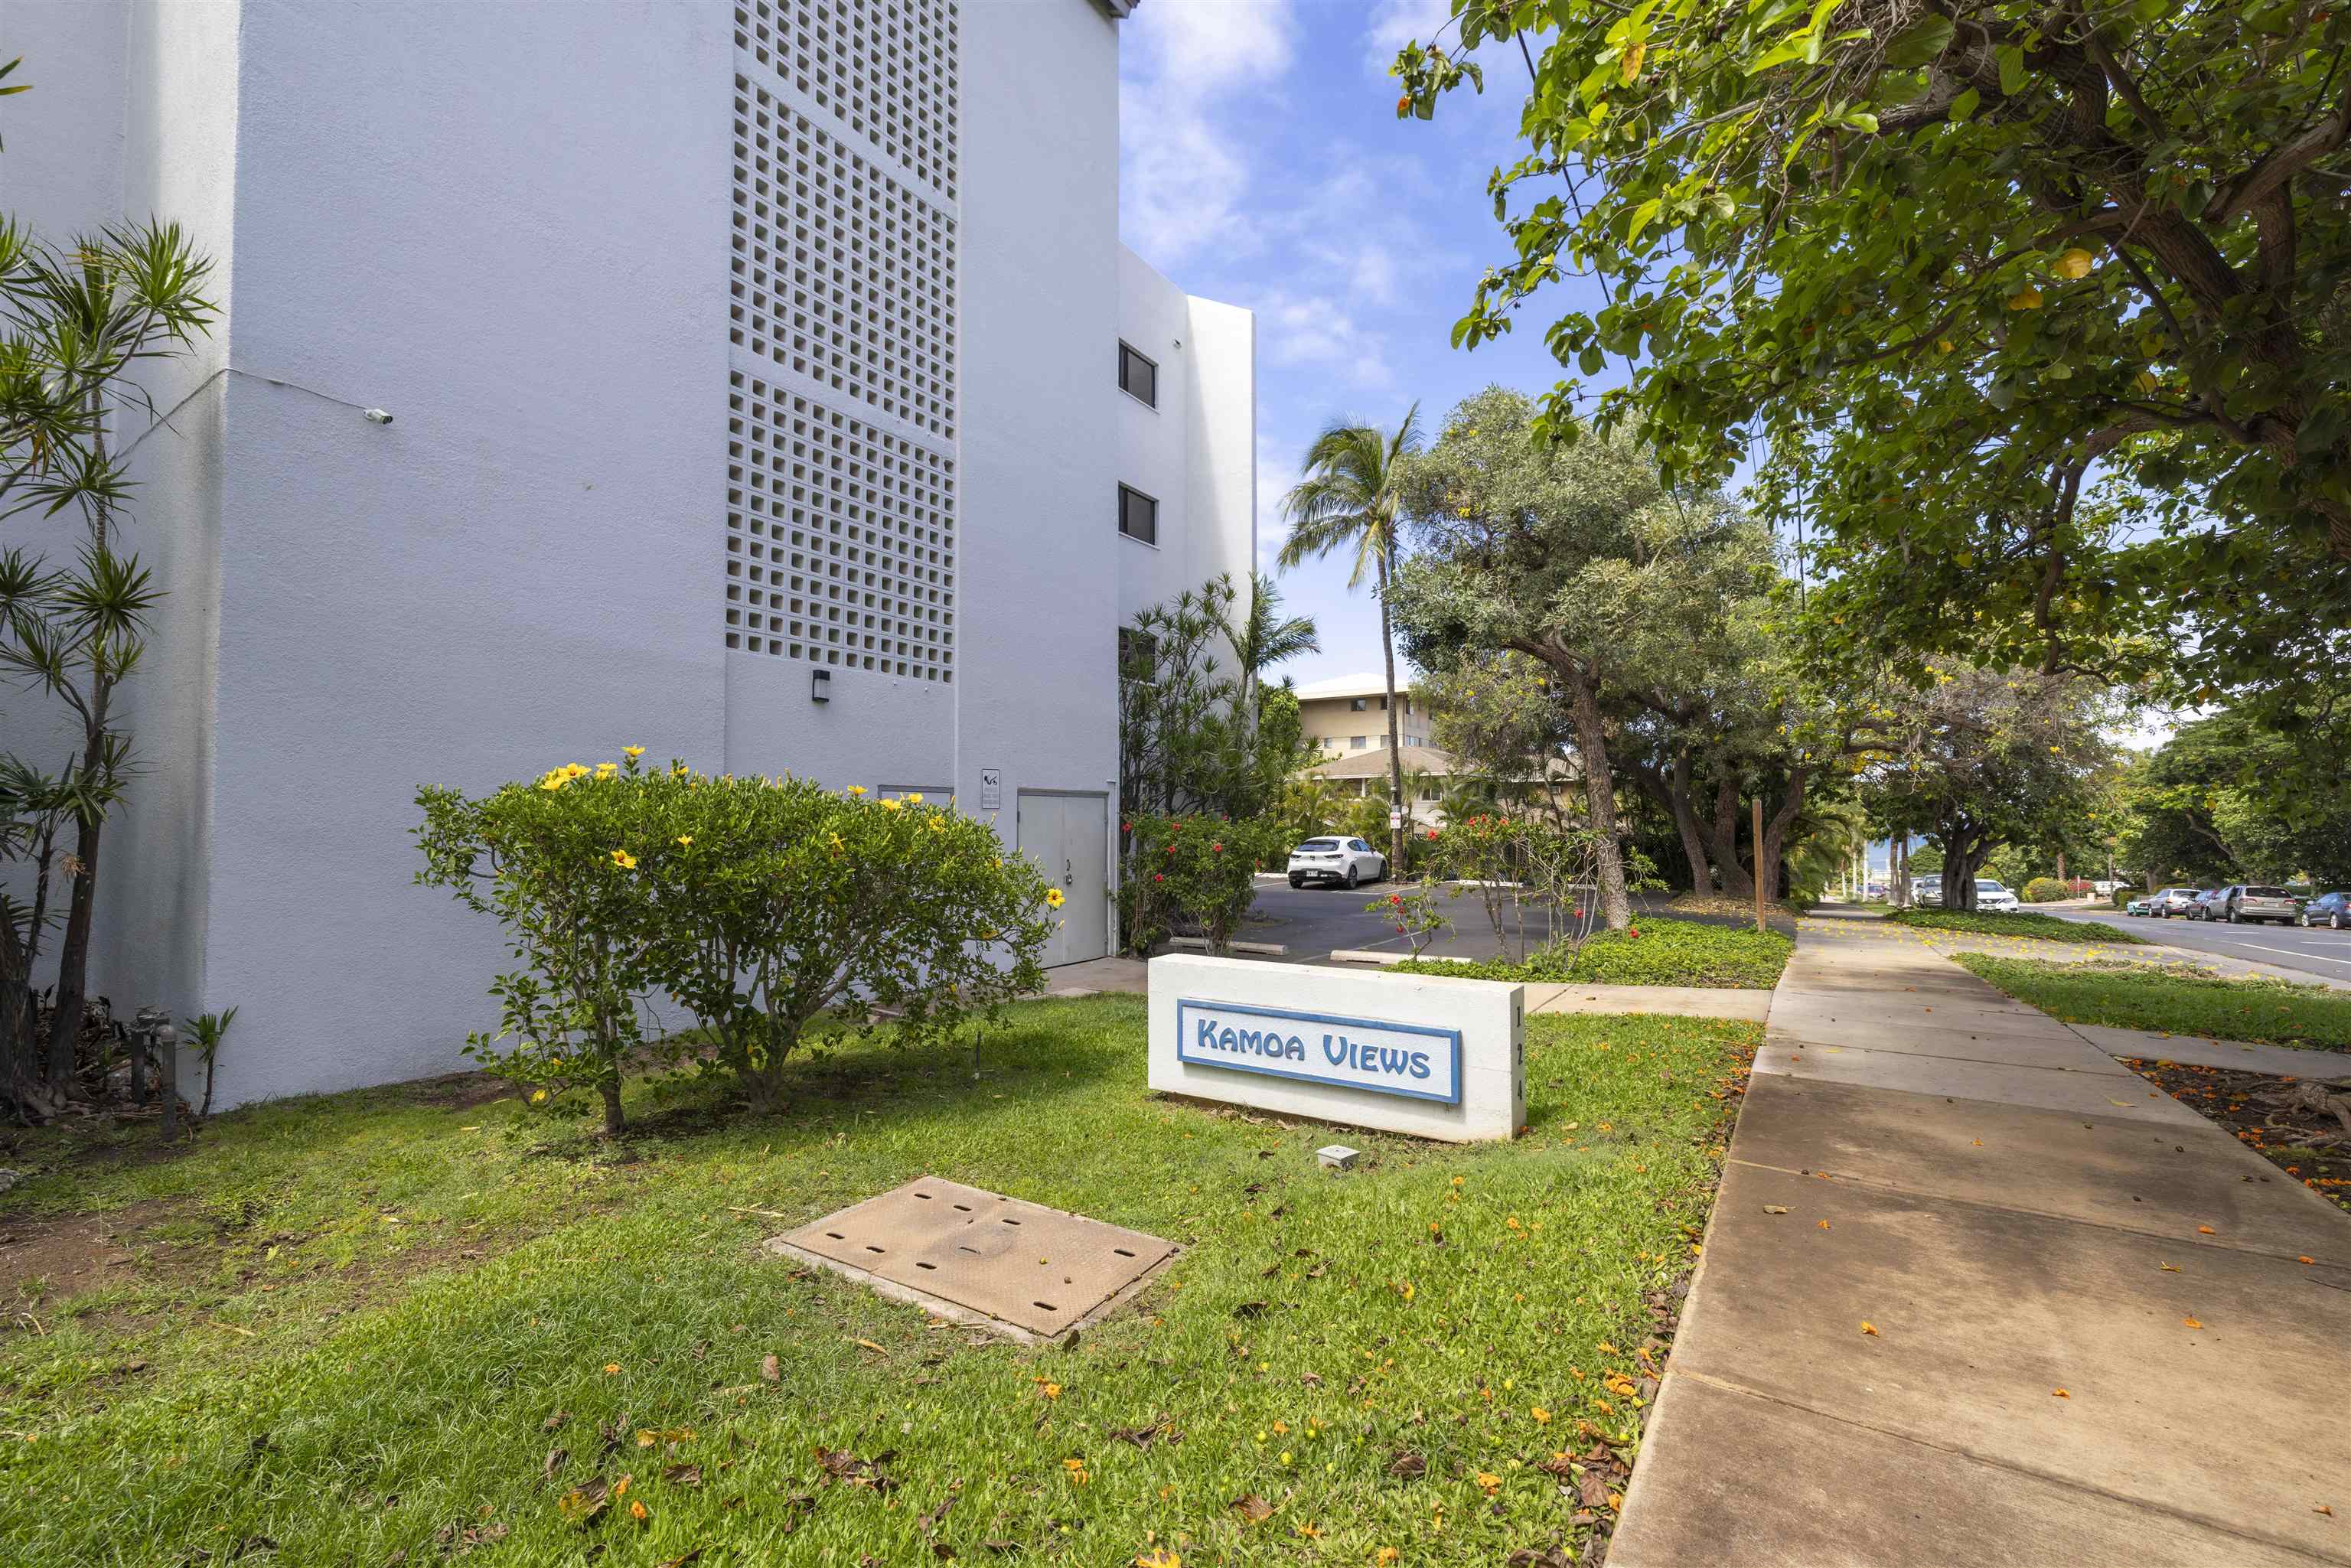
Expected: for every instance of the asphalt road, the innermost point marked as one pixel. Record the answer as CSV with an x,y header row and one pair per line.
x,y
1312,922
2318,952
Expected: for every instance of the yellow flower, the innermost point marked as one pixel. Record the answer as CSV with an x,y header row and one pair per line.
x,y
573,770
914,799
538,1096
1540,1413
890,805
857,789
555,780
1053,899
606,769
836,843
684,839
2075,263
624,859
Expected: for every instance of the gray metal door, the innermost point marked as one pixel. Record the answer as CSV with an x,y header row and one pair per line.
x,y
1067,833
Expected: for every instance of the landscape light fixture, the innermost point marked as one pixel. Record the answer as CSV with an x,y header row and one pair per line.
x,y
820,687
376,415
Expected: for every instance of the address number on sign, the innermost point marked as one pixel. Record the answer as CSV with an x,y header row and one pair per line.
x,y
1415,1060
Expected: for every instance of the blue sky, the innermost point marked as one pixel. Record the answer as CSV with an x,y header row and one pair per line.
x,y
1262,164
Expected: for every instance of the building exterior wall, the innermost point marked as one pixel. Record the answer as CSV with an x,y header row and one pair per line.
x,y
1195,450
656,295
1334,724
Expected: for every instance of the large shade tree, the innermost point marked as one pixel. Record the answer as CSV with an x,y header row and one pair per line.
x,y
1979,758
1951,266
1579,560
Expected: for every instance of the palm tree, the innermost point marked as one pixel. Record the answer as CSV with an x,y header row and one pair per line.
x,y
1264,637
1348,496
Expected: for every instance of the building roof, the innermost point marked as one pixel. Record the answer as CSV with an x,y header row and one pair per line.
x,y
1373,764
1371,686
1434,761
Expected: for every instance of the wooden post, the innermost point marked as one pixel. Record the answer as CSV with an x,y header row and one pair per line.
x,y
1760,924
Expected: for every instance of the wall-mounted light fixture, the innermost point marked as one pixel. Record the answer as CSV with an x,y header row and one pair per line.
x,y
820,687
376,415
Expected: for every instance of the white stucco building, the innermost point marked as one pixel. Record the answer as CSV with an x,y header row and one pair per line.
x,y
728,346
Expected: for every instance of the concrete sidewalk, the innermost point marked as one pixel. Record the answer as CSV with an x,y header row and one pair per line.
x,y
2091,1335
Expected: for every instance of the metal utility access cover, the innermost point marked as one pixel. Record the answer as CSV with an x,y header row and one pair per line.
x,y
1035,1268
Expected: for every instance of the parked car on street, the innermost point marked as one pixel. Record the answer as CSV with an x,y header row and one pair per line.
x,y
1993,897
2332,910
2139,906
2200,906
1346,862
2173,901
1926,890
2243,903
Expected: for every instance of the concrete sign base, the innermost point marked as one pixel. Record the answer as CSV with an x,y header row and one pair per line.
x,y
1428,1055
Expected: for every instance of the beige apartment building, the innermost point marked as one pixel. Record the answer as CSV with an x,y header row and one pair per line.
x,y
1350,714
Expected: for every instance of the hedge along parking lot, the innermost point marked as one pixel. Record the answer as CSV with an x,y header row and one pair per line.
x,y
400,1321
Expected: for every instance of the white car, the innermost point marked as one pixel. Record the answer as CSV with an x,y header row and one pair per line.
x,y
1991,898
1349,863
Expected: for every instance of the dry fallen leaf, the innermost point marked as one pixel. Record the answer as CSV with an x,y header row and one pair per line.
x,y
1253,1509
2322,1507
1775,1208
2171,1268
772,1369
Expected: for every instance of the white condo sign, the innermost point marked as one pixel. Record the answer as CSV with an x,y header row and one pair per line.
x,y
1436,1057
1411,1059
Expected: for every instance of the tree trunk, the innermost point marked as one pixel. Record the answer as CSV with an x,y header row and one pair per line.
x,y
1599,793
611,1090
1395,755
73,952
1678,797
1771,852
1736,883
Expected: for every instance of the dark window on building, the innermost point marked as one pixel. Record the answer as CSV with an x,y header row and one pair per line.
x,y
1138,514
1139,375
1138,655
1358,705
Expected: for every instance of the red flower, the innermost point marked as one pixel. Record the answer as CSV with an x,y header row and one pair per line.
x,y
1399,930
1157,876
1633,930
1395,898
1432,832
1126,827
1169,849
1216,849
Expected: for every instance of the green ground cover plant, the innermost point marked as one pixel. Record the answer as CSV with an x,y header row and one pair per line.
x,y
405,1321
2016,923
1652,951
2179,998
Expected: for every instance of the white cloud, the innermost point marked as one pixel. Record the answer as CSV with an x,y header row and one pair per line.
x,y
1185,173
1317,329
1396,23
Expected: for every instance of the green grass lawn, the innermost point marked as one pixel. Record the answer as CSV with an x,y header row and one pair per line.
x,y
398,1321
1654,951
2016,923
2183,998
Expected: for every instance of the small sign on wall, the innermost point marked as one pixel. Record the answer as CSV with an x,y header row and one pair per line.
x,y
991,788
1428,1055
